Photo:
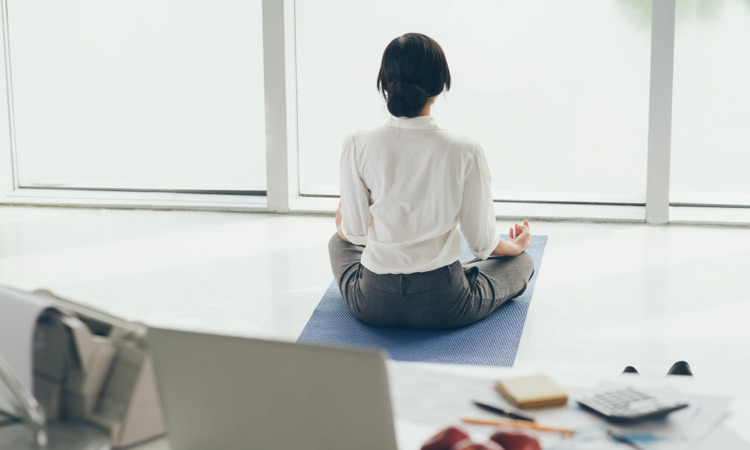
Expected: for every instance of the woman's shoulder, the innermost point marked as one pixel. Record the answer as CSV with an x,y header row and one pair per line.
x,y
460,140
368,132
439,135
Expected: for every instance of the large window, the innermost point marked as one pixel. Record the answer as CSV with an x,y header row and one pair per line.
x,y
166,101
138,94
711,107
556,92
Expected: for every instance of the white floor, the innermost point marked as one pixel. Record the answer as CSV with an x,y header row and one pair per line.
x,y
608,295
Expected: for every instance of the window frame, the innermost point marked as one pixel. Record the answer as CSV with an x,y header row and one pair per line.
x,y
282,149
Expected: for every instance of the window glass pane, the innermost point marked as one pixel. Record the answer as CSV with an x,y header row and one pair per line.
x,y
711,103
556,92
145,94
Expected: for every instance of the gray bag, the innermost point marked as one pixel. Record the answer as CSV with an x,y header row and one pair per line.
x,y
91,368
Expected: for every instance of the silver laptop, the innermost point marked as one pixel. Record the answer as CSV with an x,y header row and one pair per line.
x,y
222,392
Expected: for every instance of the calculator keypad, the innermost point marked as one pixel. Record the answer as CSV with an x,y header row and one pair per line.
x,y
627,404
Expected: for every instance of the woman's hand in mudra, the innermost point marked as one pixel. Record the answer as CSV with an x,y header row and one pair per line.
x,y
520,236
519,239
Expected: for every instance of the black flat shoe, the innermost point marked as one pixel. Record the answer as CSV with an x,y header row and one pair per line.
x,y
680,368
629,369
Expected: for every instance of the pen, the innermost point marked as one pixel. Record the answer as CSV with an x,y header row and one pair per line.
x,y
519,424
504,412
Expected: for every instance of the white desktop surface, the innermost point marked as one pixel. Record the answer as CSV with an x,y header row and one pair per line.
x,y
420,412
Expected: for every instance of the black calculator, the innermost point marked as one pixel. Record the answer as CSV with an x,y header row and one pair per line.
x,y
626,404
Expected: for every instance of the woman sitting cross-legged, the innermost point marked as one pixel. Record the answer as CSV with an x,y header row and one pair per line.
x,y
408,190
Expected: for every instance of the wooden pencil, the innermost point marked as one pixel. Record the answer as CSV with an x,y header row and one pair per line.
x,y
519,424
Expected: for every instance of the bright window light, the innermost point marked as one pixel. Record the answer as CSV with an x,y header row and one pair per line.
x,y
139,94
711,104
555,92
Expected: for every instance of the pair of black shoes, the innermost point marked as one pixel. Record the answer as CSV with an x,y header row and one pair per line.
x,y
678,368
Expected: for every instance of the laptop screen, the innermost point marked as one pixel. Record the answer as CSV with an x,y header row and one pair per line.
x,y
240,393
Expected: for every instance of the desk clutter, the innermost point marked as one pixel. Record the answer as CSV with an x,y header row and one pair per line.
x,y
94,388
81,365
428,395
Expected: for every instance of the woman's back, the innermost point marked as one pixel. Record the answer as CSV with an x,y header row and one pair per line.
x,y
415,176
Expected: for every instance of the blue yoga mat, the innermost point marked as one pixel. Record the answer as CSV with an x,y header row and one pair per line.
x,y
493,341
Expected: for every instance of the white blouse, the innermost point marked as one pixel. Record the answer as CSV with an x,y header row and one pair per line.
x,y
406,187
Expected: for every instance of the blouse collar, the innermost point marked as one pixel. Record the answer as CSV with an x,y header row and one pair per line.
x,y
414,123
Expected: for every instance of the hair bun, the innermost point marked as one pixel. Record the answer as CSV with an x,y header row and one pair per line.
x,y
405,99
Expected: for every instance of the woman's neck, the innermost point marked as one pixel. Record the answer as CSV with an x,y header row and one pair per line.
x,y
427,107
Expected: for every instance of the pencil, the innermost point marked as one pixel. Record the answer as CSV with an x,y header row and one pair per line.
x,y
519,424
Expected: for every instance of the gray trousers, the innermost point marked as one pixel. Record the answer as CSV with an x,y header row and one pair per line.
x,y
451,296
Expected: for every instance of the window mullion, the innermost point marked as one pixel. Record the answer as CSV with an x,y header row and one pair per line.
x,y
660,111
275,44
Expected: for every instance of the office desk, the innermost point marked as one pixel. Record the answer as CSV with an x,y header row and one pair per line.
x,y
428,397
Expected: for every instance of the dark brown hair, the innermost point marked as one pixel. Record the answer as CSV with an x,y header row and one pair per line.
x,y
413,69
